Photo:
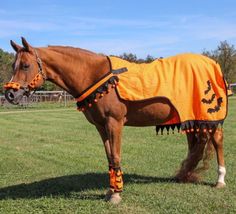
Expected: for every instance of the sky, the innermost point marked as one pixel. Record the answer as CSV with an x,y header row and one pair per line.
x,y
150,27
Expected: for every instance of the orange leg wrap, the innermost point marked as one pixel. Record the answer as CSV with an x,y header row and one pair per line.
x,y
116,180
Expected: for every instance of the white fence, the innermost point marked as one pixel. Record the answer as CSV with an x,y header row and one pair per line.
x,y
60,97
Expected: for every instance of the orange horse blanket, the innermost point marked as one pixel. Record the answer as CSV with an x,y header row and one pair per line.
x,y
194,84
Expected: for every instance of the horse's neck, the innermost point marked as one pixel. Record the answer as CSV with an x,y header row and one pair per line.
x,y
74,73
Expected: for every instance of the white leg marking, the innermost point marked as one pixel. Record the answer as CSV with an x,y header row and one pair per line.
x,y
221,174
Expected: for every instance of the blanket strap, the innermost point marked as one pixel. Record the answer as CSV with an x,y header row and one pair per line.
x,y
119,71
88,96
92,88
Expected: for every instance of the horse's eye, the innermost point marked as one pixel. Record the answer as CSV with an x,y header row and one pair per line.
x,y
25,66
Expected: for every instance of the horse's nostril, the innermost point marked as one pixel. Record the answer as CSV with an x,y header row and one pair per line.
x,y
10,96
14,96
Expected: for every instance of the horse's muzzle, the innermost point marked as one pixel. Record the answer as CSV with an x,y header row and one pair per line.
x,y
14,96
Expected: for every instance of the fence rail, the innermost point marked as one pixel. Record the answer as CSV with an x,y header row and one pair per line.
x,y
61,97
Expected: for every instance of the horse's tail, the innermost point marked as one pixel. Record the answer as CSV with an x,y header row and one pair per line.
x,y
200,150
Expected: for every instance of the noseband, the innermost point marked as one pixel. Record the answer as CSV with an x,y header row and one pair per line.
x,y
32,85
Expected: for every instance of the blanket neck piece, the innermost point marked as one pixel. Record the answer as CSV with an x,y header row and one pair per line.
x,y
97,90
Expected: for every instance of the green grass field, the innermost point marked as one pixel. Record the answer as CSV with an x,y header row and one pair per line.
x,y
53,161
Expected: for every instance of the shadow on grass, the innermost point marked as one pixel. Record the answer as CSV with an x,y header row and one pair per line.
x,y
65,186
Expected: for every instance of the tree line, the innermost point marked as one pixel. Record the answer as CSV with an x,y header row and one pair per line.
x,y
224,54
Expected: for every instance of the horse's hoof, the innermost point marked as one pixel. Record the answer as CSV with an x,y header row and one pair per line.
x,y
220,185
115,198
108,195
112,197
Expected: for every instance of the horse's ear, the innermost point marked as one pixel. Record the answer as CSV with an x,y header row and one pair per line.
x,y
26,45
15,46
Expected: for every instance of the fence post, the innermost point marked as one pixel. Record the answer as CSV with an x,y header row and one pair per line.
x,y
65,100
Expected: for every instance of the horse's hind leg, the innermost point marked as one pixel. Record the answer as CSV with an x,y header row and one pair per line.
x,y
217,140
196,146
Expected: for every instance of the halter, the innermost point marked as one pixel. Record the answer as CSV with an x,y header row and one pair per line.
x,y
32,85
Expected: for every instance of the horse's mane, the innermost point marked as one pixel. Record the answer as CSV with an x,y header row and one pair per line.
x,y
72,51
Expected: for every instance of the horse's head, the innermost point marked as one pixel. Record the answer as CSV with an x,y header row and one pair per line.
x,y
28,73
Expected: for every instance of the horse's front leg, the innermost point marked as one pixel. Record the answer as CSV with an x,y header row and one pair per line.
x,y
106,143
114,130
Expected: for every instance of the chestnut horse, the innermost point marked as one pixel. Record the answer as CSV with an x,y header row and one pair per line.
x,y
75,70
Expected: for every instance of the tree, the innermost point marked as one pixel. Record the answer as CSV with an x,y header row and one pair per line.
x,y
225,55
133,58
6,60
129,57
149,59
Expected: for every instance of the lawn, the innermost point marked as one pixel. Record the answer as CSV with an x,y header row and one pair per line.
x,y
53,161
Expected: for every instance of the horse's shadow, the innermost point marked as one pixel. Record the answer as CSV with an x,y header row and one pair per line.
x,y
66,186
